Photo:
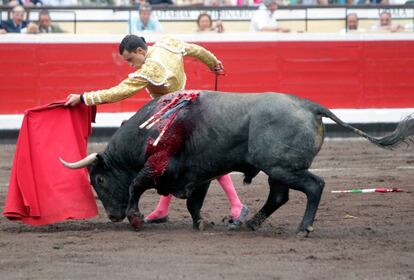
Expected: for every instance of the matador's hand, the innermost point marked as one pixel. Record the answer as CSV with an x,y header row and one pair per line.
x,y
73,100
218,68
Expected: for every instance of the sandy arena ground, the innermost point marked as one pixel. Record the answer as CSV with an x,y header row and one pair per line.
x,y
357,236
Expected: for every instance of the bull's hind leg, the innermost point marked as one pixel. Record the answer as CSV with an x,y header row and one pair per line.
x,y
194,204
312,186
278,195
303,181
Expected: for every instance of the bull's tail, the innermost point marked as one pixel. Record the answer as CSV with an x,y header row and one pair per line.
x,y
404,133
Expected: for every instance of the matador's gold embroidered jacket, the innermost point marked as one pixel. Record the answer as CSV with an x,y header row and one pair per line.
x,y
161,73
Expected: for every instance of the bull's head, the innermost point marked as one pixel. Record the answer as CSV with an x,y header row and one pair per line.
x,y
110,184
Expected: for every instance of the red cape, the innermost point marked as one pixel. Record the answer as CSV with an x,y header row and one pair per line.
x,y
41,189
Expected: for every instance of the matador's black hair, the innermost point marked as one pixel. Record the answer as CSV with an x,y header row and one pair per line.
x,y
131,43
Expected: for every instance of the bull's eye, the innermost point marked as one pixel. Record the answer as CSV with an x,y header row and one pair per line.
x,y
100,180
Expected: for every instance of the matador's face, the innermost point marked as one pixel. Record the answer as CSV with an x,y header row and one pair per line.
x,y
135,58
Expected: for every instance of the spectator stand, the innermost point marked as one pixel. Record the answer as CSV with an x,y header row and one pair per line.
x,y
299,18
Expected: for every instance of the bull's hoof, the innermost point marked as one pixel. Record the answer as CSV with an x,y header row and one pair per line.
x,y
252,224
135,221
304,233
200,225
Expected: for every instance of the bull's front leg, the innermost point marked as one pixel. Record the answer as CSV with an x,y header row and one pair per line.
x,y
195,202
142,182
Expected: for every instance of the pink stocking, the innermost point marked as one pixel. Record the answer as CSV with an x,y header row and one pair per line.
x,y
162,208
227,184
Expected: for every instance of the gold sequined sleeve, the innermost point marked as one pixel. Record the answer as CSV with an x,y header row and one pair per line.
x,y
201,54
150,72
125,89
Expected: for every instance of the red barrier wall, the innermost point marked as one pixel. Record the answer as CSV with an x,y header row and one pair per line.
x,y
338,74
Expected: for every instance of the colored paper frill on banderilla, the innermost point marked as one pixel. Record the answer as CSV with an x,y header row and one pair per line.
x,y
41,189
169,111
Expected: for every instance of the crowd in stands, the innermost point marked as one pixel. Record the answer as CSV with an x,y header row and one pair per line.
x,y
263,19
31,3
384,24
195,2
18,24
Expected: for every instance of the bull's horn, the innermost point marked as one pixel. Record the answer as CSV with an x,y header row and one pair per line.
x,y
79,164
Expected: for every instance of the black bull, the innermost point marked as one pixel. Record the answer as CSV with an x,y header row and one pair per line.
x,y
218,133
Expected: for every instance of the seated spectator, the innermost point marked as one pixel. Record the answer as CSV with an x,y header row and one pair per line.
x,y
309,2
13,3
16,23
316,2
160,2
253,3
352,24
45,23
139,2
219,3
189,2
144,22
365,2
60,2
264,19
385,24
205,24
